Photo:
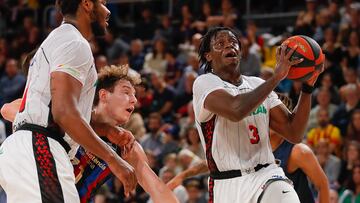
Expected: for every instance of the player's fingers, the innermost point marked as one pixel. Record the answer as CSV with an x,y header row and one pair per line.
x,y
288,55
282,51
278,50
296,61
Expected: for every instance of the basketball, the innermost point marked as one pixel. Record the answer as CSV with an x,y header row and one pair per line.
x,y
310,51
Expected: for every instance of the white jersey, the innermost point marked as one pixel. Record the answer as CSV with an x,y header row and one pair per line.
x,y
64,50
233,145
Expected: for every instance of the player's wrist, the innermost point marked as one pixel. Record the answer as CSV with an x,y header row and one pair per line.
x,y
306,88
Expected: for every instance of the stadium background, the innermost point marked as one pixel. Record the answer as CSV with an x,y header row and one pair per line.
x,y
159,38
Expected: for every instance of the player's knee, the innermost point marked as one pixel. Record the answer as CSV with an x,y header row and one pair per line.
x,y
279,192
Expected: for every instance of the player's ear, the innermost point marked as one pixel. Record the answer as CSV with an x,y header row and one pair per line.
x,y
208,57
103,94
87,5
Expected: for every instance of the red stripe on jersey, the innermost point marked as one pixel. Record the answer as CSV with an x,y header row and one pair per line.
x,y
23,101
91,187
207,129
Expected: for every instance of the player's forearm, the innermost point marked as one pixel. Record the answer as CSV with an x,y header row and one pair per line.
x,y
9,110
324,195
81,132
198,169
300,117
247,102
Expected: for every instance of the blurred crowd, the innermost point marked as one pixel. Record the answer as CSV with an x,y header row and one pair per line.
x,y
163,49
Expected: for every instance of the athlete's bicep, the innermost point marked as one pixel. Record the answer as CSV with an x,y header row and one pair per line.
x,y
65,92
221,103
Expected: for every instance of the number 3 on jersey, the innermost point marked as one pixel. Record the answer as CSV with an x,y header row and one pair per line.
x,y
254,138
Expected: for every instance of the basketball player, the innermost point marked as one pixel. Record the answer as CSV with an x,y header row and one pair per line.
x,y
298,161
54,115
233,115
113,103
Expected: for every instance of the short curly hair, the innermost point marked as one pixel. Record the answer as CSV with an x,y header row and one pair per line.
x,y
110,75
69,7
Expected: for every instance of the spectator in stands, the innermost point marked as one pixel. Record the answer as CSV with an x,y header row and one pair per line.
x,y
352,51
12,83
186,30
334,9
352,190
256,42
193,142
145,28
183,98
343,113
326,82
193,189
152,140
169,139
330,163
323,101
192,66
322,21
324,130
180,191
136,125
334,196
200,24
306,19
353,129
249,62
3,55
163,96
155,60
350,159
331,48
170,162
100,62
173,68
187,121
145,97
188,159
136,55
166,30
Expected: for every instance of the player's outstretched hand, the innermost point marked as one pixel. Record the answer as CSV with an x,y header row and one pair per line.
x,y
283,62
124,172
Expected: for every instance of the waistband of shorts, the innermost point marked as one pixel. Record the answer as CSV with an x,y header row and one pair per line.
x,y
236,173
47,132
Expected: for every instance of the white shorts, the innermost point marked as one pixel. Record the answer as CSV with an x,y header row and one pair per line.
x,y
46,176
246,188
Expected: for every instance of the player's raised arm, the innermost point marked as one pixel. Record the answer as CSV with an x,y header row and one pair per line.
x,y
292,125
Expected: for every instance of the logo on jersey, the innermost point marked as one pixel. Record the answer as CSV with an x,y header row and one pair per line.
x,y
260,109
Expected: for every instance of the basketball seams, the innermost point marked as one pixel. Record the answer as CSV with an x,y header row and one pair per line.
x,y
316,50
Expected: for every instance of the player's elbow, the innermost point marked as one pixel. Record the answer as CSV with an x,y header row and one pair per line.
x,y
293,137
322,184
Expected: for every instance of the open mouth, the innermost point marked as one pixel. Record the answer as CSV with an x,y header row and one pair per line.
x,y
231,54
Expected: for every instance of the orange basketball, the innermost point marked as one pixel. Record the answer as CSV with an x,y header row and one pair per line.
x,y
310,51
